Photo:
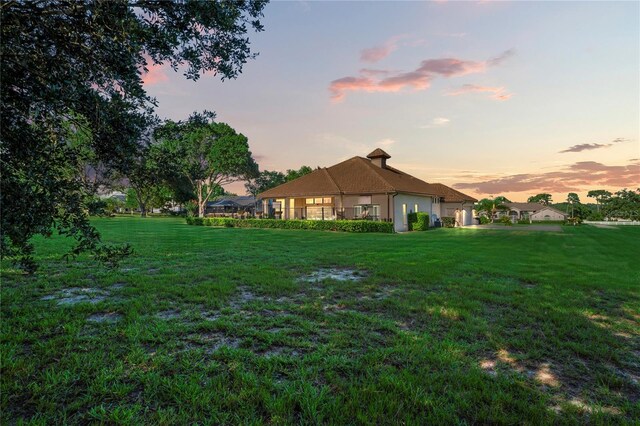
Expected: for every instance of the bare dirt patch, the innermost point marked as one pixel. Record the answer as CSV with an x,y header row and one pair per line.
x,y
169,314
118,286
76,295
281,351
105,317
211,342
337,274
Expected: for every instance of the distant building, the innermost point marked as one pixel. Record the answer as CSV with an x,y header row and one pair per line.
x,y
531,211
233,206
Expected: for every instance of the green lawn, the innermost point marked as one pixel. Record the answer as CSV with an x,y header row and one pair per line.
x,y
222,326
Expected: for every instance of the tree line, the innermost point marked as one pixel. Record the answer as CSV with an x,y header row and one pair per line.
x,y
623,204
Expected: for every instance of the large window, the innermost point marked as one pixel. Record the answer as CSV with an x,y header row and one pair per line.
x,y
319,201
367,211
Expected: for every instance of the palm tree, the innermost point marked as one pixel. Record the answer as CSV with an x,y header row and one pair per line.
x,y
490,206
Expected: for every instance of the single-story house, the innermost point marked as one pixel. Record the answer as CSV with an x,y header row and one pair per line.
x,y
531,211
232,206
548,213
365,188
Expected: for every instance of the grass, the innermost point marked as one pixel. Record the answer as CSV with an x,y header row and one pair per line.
x,y
219,326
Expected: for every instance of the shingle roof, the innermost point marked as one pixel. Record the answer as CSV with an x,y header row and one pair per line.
x,y
359,175
529,207
450,195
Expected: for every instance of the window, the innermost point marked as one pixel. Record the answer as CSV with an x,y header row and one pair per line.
x,y
404,214
415,208
319,200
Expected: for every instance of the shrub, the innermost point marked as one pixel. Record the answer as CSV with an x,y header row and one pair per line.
x,y
574,221
422,222
484,220
323,225
411,219
448,221
523,221
506,220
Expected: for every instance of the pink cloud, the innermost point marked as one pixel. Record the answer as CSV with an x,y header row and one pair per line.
x,y
377,53
419,79
156,73
579,176
497,93
451,67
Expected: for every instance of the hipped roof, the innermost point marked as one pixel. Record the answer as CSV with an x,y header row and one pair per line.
x,y
359,175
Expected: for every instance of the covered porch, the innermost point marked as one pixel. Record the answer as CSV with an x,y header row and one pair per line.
x,y
327,207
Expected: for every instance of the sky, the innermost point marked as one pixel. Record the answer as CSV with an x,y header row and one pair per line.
x,y
491,98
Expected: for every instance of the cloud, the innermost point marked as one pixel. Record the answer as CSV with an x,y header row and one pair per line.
x,y
498,60
377,53
578,176
585,147
589,146
451,67
437,122
385,142
620,140
418,79
156,73
497,93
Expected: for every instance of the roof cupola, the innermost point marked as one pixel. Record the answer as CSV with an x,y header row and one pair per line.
x,y
379,158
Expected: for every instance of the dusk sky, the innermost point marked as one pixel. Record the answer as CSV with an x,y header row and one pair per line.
x,y
491,98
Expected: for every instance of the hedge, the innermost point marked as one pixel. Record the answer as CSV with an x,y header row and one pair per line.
x,y
411,219
448,221
422,222
322,225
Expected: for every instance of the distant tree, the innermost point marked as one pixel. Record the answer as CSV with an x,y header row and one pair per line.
x,y
489,206
82,62
210,154
574,200
600,196
265,180
543,198
625,204
295,174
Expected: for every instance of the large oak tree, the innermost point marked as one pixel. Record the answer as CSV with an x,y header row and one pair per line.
x,y
71,65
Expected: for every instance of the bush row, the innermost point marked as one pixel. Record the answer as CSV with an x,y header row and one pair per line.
x,y
448,221
322,225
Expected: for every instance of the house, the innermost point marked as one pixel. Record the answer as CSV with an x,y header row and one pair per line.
x,y
365,188
548,213
232,206
531,211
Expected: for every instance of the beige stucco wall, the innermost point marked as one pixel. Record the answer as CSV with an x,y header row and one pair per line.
x,y
466,209
552,215
424,205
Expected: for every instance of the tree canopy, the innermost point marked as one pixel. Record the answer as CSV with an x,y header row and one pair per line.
x,y
77,66
295,174
625,204
543,198
208,154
